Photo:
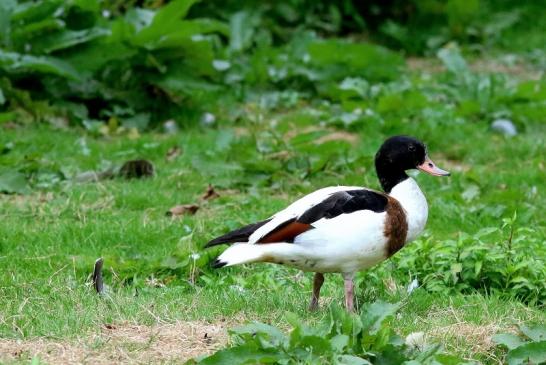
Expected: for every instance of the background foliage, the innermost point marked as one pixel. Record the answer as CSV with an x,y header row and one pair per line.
x,y
86,62
267,101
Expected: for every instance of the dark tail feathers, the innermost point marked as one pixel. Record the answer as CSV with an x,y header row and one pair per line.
x,y
239,235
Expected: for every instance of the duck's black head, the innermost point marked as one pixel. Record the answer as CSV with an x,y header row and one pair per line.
x,y
398,154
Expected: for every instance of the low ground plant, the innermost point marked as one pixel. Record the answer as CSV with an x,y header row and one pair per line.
x,y
341,338
529,347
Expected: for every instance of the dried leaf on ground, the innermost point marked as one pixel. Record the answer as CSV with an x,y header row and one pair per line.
x,y
338,136
94,176
173,153
9,125
210,193
185,209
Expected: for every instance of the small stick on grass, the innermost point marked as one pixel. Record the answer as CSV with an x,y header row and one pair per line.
x,y
97,276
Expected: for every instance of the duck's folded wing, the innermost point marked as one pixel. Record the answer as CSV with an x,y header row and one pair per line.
x,y
345,202
299,217
323,204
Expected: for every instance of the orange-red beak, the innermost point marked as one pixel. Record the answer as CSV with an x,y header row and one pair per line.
x,y
430,168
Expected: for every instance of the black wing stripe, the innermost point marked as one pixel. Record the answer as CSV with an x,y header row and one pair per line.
x,y
345,202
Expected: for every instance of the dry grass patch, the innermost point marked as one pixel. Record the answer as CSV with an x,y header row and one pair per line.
x,y
455,330
475,338
123,343
472,339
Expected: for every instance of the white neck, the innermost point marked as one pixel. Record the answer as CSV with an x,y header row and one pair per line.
x,y
415,205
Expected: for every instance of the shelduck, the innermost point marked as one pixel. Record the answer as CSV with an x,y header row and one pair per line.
x,y
342,229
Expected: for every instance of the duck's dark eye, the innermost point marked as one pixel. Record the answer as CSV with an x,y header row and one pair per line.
x,y
411,148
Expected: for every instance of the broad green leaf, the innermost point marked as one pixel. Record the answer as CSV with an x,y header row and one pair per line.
x,y
485,231
316,344
389,355
339,342
70,38
26,12
452,59
167,20
357,85
36,361
244,354
460,13
120,31
13,182
351,360
293,320
478,267
30,33
7,116
139,121
215,168
401,102
174,10
95,55
339,58
203,26
373,315
138,18
242,28
16,62
447,359
179,34
185,85
529,353
456,268
531,90
273,332
535,333
6,8
471,192
427,353
509,340
308,137
89,5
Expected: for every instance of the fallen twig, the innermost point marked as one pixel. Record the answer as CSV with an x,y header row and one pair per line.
x,y
97,276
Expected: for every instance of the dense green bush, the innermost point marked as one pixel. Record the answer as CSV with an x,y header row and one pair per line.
x,y
492,260
87,61
417,27
75,60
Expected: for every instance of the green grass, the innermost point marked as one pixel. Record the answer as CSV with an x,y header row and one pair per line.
x,y
50,238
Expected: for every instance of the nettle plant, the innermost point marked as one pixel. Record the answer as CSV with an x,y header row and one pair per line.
x,y
527,348
341,338
506,260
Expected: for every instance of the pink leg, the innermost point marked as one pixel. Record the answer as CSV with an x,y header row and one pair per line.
x,y
349,292
318,280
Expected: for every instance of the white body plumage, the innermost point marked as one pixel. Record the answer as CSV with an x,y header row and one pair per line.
x,y
346,243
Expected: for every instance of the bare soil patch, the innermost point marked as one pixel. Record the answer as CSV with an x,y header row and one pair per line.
x,y
518,69
123,343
